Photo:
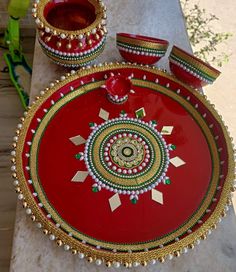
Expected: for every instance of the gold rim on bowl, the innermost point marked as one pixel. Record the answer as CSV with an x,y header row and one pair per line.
x,y
99,25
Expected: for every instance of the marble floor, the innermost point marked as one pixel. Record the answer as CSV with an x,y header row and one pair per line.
x,y
10,112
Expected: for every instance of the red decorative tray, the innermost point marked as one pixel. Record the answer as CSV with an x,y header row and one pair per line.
x,y
127,183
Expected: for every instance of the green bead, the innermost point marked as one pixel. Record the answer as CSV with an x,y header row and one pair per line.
x,y
140,113
173,147
95,189
91,124
134,200
123,112
168,181
78,156
154,122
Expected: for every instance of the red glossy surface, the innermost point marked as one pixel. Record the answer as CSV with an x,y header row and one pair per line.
x,y
186,77
90,212
74,45
70,15
143,38
118,85
142,59
139,58
196,59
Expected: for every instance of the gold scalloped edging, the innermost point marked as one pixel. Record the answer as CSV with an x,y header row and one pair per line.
x,y
92,254
146,44
97,27
194,62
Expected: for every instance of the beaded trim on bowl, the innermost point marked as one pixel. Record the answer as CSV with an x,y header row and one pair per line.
x,y
98,27
72,63
133,41
191,69
72,59
141,51
115,99
193,65
72,55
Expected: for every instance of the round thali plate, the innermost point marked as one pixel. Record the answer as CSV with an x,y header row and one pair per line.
x,y
124,183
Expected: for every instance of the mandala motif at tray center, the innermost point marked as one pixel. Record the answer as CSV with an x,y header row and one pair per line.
x,y
126,152
126,156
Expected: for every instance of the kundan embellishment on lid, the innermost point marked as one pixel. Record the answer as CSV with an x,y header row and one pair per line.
x,y
71,33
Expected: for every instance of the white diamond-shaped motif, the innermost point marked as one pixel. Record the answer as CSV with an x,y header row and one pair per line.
x,y
77,140
80,176
177,161
114,202
103,114
167,130
157,196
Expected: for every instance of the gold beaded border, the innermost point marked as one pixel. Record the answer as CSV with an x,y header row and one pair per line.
x,y
125,258
142,43
119,180
141,246
78,62
212,72
98,25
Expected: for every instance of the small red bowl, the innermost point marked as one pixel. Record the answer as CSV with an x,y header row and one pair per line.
x,y
191,69
141,49
118,88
